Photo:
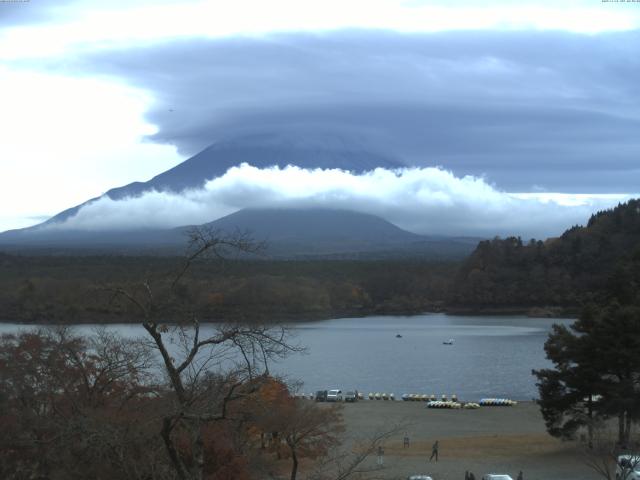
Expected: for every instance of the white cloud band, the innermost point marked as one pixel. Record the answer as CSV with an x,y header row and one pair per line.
x,y
423,200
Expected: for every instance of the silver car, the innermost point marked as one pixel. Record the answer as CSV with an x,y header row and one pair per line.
x,y
496,476
419,477
628,467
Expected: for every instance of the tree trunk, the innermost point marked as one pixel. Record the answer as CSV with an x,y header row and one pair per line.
x,y
294,464
627,429
174,456
198,452
621,441
275,438
590,424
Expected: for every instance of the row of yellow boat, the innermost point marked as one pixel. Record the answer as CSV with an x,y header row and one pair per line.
x,y
497,402
433,402
420,397
453,405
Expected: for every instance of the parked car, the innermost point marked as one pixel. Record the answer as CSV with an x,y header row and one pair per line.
x,y
496,476
351,397
334,396
321,396
628,467
419,477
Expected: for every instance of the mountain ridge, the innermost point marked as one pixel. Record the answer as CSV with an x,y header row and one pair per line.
x,y
289,233
261,150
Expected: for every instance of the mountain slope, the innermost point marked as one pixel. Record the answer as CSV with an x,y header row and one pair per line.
x,y
288,233
306,150
324,232
265,150
315,225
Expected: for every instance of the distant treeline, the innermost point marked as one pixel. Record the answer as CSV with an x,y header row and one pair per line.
x,y
50,289
554,277
583,265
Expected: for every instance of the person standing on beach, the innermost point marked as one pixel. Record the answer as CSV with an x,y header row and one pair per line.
x,y
434,451
380,456
520,476
472,476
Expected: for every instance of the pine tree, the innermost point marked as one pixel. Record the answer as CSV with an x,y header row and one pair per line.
x,y
596,372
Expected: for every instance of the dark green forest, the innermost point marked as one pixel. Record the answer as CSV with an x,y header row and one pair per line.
x,y
584,264
50,289
553,277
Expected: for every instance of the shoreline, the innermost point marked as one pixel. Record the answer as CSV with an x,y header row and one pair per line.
x,y
547,312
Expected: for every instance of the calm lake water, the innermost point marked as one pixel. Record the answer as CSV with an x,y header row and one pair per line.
x,y
490,357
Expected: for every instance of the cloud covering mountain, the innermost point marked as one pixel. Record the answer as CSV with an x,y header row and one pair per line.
x,y
526,109
533,96
421,200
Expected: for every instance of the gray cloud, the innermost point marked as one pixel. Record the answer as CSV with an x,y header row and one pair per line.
x,y
18,13
531,110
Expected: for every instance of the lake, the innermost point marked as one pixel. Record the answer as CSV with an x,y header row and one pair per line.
x,y
490,357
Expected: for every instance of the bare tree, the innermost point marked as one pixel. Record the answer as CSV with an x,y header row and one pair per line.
x,y
206,371
351,463
303,428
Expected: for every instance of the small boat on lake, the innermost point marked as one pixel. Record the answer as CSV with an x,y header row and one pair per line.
x,y
448,342
398,336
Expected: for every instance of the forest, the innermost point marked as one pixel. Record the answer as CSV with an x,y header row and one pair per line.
x,y
583,265
51,289
553,277
98,407
178,404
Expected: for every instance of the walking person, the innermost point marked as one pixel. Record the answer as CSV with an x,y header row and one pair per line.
x,y
380,456
520,476
406,441
434,451
472,476
466,475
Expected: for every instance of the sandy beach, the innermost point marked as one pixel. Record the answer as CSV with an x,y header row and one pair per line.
x,y
486,440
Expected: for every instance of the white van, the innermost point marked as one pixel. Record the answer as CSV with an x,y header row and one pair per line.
x,y
334,396
628,467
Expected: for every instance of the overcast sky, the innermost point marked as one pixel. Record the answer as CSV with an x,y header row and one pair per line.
x,y
537,102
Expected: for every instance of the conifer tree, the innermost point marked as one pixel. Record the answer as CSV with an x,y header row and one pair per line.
x,y
596,372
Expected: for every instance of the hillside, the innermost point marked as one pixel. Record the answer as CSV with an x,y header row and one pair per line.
x,y
322,233
287,233
601,258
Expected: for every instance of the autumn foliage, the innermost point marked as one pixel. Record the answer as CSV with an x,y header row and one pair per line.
x,y
73,407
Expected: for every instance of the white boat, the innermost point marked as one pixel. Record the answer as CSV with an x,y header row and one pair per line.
x,y
448,342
